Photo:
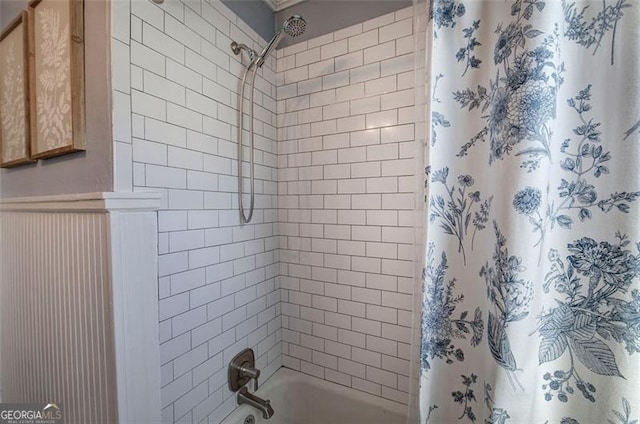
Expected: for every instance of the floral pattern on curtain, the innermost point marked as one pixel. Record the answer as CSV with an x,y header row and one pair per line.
x,y
531,297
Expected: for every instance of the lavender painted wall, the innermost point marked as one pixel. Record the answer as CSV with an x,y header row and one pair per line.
x,y
82,172
325,16
9,9
256,14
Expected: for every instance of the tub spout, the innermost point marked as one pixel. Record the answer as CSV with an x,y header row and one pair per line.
x,y
261,404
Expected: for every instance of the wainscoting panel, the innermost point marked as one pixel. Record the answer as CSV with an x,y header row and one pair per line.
x,y
55,312
79,305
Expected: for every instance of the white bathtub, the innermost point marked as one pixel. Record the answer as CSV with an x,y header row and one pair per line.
x,y
298,398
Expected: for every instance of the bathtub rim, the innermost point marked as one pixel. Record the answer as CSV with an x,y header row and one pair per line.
x,y
283,375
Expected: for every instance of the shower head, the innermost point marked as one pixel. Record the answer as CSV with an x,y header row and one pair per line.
x,y
293,27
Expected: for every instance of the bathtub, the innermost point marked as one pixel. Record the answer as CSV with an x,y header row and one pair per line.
x,y
298,398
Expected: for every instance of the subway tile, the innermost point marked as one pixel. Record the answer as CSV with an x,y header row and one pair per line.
x,y
144,104
363,40
366,357
180,32
351,308
365,105
406,80
183,75
161,176
136,28
201,104
184,158
351,338
324,67
149,152
337,79
352,368
308,56
398,201
312,369
188,320
297,74
397,65
380,52
344,247
406,45
336,171
322,98
366,326
136,78
371,168
336,48
347,32
148,13
377,344
379,21
365,73
172,306
287,62
396,30
397,133
162,43
310,86
353,154
351,123
163,132
380,85
365,264
365,137
404,13
184,117
195,21
382,119
350,186
397,99
397,267
382,377
176,388
351,217
396,332
319,41
323,127
350,92
348,61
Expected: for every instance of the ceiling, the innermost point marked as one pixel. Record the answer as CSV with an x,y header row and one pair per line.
x,y
278,5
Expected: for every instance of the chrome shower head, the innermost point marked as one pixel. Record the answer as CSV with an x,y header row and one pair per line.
x,y
293,27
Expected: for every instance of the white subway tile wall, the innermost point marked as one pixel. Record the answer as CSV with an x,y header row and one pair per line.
x,y
321,280
175,85
345,194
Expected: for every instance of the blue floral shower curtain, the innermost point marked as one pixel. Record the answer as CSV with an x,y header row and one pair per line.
x,y
531,297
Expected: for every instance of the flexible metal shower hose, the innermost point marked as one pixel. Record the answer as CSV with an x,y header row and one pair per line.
x,y
246,219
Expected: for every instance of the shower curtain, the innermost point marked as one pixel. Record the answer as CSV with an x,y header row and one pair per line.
x,y
531,280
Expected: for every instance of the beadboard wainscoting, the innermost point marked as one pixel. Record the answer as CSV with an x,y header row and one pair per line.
x,y
346,197
78,309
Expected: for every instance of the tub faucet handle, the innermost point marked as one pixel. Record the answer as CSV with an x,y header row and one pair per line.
x,y
242,369
247,371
